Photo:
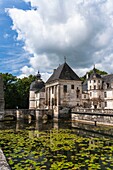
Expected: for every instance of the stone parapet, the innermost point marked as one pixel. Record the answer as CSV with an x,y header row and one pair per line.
x,y
3,163
95,119
2,103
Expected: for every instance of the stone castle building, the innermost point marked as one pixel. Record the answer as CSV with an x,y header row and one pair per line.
x,y
37,93
65,89
98,91
1,99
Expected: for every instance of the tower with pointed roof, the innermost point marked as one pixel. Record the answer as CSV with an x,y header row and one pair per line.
x,y
34,96
94,88
63,89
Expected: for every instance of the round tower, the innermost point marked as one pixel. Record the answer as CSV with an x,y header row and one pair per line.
x,y
35,86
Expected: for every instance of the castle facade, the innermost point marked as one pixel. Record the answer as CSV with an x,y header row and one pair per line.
x,y
65,89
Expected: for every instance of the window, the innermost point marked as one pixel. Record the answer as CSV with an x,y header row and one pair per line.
x,y
105,94
84,96
90,81
94,81
72,86
94,87
105,104
65,88
98,81
78,92
90,93
90,87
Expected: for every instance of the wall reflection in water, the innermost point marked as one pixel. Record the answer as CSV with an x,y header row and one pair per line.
x,y
34,127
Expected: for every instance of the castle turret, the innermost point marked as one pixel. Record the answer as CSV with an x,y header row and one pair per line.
x,y
35,86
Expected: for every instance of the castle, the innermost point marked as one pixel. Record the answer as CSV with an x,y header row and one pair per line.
x,y
65,89
2,103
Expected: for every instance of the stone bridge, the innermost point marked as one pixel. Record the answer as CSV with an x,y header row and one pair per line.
x,y
17,114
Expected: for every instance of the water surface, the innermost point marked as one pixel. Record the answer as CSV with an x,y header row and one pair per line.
x,y
56,145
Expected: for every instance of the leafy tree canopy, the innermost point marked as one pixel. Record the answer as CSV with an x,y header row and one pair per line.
x,y
16,91
91,71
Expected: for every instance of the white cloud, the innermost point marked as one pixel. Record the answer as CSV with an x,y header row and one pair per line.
x,y
79,29
6,35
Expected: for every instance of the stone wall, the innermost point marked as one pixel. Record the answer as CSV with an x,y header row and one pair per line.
x,y
1,99
96,119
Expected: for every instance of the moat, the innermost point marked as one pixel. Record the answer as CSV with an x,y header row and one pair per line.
x,y
56,145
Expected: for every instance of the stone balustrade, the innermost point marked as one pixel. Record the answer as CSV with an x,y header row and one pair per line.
x,y
92,111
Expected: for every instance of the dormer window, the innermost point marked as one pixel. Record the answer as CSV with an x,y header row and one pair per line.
x,y
94,76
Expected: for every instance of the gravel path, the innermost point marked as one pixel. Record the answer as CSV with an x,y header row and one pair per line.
x,y
3,163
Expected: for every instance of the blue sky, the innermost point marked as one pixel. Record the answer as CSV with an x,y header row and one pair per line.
x,y
37,34
11,51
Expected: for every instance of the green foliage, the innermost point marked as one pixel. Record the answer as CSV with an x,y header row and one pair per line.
x,y
91,71
16,91
56,150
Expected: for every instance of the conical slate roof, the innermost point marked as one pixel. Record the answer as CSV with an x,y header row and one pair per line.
x,y
63,72
38,84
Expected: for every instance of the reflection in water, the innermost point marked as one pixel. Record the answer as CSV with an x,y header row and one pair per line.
x,y
84,130
56,145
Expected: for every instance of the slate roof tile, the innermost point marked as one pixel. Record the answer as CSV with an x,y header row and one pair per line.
x,y
64,72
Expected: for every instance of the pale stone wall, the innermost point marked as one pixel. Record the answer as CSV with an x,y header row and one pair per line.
x,y
55,95
92,83
70,97
32,102
3,163
40,100
2,103
109,104
96,119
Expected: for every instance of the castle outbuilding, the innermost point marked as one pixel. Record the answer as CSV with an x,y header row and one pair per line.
x,y
98,91
63,89
36,95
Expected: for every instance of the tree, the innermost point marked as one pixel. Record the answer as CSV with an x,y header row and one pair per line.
x,y
83,78
16,91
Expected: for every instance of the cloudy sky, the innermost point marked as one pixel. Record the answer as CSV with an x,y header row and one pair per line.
x,y
37,34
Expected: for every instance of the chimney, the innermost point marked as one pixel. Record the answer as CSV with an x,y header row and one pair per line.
x,y
54,70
